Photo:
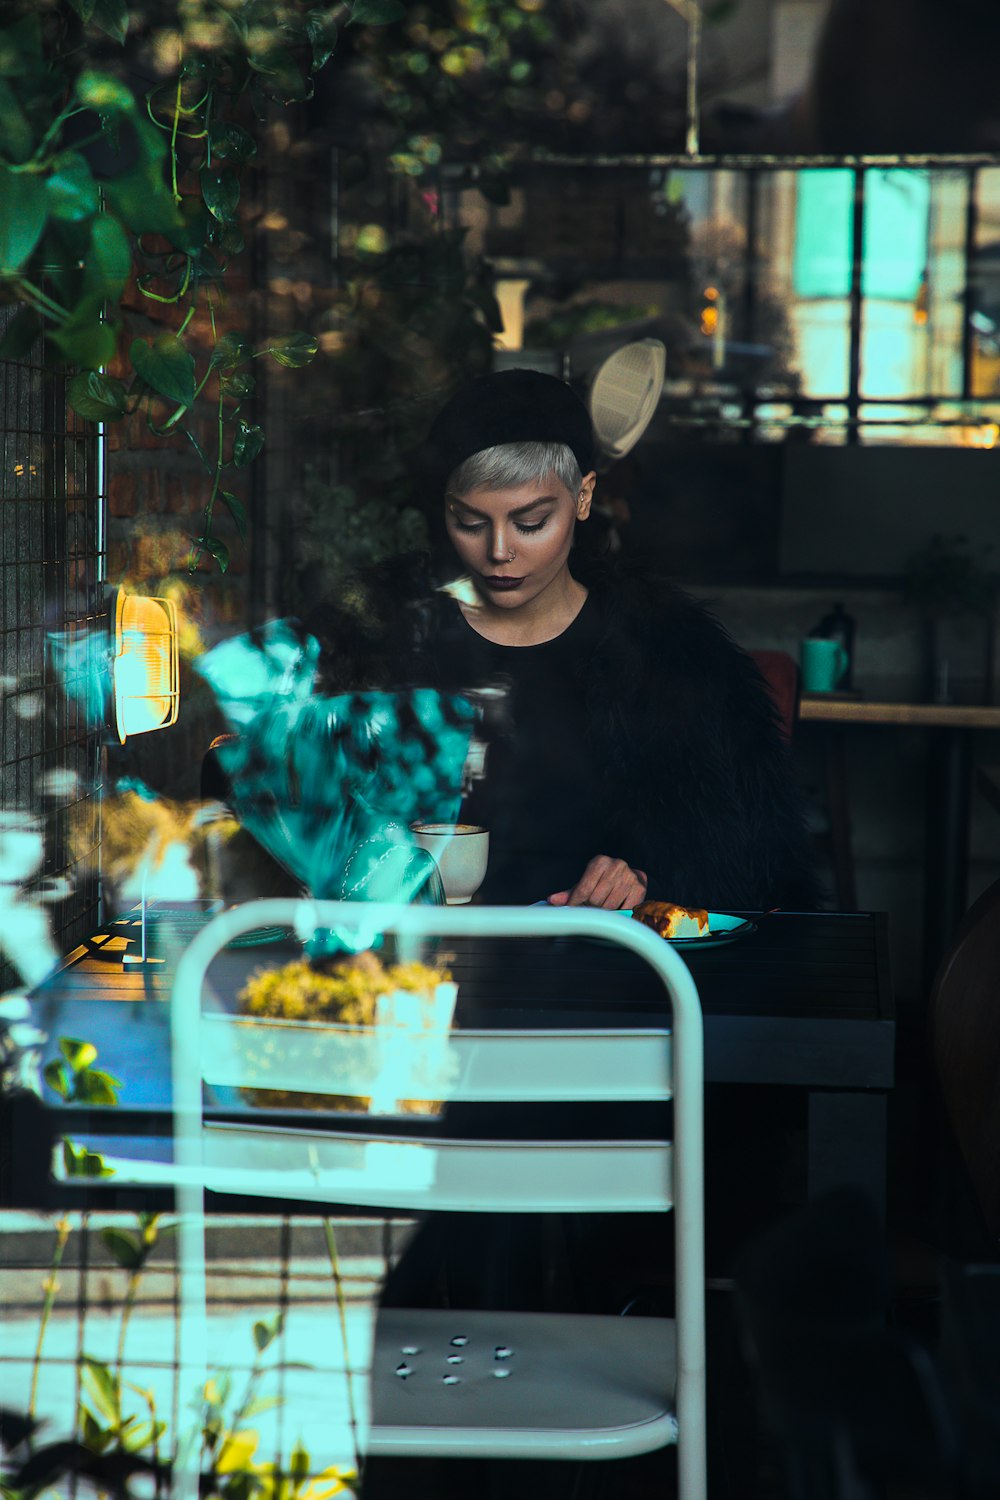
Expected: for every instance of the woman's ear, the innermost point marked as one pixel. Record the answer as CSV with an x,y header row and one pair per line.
x,y
585,495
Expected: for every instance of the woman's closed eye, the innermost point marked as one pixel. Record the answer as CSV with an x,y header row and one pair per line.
x,y
525,527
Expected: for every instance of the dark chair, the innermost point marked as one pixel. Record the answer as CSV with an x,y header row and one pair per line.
x,y
965,1048
853,1407
781,676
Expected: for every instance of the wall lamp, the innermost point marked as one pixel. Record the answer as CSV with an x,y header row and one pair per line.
x,y
145,665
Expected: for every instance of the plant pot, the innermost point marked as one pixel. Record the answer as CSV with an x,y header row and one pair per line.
x,y
401,1065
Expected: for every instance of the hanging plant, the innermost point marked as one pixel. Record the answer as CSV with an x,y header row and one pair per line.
x,y
105,184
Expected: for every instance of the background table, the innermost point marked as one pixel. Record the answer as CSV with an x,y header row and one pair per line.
x,y
804,1002
947,800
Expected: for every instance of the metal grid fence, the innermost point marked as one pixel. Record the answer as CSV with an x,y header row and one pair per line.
x,y
311,1283
52,566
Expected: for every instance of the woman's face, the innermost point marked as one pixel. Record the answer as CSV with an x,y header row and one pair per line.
x,y
516,542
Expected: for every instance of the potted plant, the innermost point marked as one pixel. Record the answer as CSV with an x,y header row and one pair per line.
x,y
348,1018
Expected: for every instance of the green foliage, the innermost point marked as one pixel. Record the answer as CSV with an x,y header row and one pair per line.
x,y
293,352
117,1440
474,64
100,398
78,1161
75,1079
564,324
100,187
409,322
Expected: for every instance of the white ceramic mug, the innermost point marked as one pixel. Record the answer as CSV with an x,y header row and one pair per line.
x,y
460,851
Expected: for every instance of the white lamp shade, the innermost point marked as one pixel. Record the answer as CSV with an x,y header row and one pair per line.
x,y
624,395
146,668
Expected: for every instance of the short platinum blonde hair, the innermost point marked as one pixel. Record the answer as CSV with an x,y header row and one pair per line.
x,y
509,465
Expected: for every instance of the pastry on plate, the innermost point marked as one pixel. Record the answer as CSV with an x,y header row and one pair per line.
x,y
672,921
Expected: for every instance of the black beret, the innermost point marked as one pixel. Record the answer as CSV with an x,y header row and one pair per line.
x,y
509,406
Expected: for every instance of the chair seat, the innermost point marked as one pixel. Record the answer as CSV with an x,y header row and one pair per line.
x,y
521,1385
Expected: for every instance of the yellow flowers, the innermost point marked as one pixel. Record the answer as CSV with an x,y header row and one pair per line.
x,y
270,1481
298,992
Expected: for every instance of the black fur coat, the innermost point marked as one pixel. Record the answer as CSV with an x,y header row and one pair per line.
x,y
680,725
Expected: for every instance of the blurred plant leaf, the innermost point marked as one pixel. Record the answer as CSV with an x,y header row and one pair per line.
x,y
23,211
111,17
376,12
21,45
260,1405
99,398
322,32
78,1054
294,351
105,94
79,1162
228,237
109,262
237,1452
206,464
238,512
141,1436
94,1086
266,1330
84,340
57,1077
221,192
215,548
248,442
72,191
15,128
299,1463
238,386
123,1248
166,366
231,141
102,1389
232,349
143,201
96,1437
21,334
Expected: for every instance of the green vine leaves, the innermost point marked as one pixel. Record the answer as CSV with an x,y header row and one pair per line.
x,y
105,188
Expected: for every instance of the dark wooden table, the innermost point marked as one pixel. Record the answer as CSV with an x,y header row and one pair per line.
x,y
804,1003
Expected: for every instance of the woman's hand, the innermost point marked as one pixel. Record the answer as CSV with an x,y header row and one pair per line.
x,y
607,883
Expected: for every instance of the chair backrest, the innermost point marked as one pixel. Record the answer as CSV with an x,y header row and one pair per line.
x,y
781,676
965,1044
392,1062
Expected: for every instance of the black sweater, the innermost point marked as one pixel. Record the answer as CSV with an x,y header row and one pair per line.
x,y
677,732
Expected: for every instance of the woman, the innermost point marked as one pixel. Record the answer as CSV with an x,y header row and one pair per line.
x,y
641,755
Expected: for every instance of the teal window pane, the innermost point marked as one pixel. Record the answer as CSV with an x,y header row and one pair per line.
x,y
824,214
897,208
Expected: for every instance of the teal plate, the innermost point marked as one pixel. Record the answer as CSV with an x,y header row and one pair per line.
x,y
722,928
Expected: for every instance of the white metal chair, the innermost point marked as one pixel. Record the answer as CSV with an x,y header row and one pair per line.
x,y
470,1383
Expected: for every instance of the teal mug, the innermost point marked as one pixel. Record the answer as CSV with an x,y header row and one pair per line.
x,y
823,664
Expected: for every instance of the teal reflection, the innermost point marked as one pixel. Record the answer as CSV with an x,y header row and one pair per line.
x,y
329,785
81,660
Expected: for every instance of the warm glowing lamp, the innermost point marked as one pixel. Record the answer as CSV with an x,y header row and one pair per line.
x,y
145,669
